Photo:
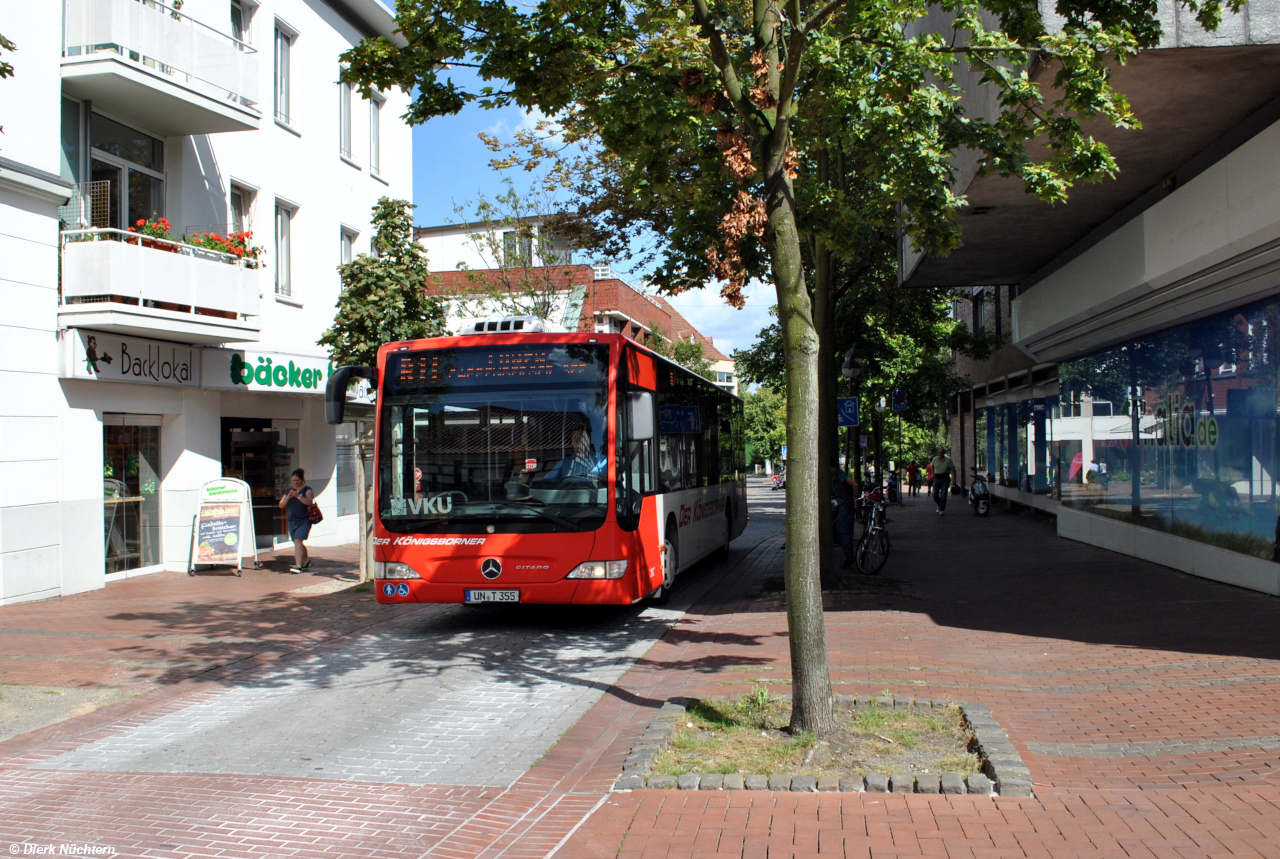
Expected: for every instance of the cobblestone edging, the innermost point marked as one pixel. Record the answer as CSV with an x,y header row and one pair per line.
x,y
1003,771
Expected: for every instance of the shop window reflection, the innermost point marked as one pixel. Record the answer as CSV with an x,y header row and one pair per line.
x,y
131,498
1178,431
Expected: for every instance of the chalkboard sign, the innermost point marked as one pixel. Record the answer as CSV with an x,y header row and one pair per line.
x,y
222,529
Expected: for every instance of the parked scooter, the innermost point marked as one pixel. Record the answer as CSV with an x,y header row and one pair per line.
x,y
780,480
979,494
893,488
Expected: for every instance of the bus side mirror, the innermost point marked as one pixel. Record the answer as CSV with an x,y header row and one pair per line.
x,y
335,390
639,415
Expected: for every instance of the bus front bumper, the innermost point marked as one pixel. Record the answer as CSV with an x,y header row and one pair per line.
x,y
566,592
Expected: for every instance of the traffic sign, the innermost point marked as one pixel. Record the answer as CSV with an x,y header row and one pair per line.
x,y
899,401
862,441
784,451
847,411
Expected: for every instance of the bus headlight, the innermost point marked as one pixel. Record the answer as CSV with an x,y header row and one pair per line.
x,y
599,570
393,570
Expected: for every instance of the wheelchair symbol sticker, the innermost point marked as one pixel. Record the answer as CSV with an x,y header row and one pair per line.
x,y
389,589
402,590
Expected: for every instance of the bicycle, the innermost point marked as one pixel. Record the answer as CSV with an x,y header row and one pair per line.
x,y
873,547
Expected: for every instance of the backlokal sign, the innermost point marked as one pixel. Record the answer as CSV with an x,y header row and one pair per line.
x,y
101,357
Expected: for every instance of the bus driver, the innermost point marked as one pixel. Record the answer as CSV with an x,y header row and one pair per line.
x,y
583,464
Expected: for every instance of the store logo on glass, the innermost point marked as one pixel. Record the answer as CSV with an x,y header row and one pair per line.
x,y
491,568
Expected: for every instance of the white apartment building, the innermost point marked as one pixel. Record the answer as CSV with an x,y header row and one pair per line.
x,y
133,370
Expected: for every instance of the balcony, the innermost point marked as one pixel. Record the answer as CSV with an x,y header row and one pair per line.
x,y
147,63
127,284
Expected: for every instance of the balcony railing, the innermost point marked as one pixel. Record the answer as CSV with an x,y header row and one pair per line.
x,y
157,36
103,267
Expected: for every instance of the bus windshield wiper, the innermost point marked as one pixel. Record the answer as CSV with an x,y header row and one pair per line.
x,y
551,517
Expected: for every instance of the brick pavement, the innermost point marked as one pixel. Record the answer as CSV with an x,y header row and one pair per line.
x,y
1082,655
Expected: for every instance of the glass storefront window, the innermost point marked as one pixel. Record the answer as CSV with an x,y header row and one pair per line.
x,y
131,492
262,453
1178,430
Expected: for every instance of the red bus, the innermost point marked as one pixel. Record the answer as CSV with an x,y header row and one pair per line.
x,y
545,467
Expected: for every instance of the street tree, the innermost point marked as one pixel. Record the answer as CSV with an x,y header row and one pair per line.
x,y
718,115
383,299
687,353
764,410
510,232
383,296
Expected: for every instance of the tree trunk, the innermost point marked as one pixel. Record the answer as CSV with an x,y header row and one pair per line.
x,y
824,322
364,515
811,702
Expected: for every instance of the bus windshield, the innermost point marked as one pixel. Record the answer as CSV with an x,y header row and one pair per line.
x,y
504,437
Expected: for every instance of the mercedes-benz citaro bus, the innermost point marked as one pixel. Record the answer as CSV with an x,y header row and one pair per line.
x,y
515,465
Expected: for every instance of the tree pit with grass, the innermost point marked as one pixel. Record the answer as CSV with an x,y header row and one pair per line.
x,y
750,735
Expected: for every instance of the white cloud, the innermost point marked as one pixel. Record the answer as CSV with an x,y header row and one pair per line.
x,y
731,329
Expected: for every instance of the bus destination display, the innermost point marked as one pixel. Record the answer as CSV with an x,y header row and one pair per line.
x,y
496,365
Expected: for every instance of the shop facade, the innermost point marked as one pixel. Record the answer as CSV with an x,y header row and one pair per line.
x,y
1132,390
169,417
1175,431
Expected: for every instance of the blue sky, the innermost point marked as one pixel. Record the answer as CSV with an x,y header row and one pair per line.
x,y
451,166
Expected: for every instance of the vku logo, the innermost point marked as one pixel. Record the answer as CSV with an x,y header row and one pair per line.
x,y
439,505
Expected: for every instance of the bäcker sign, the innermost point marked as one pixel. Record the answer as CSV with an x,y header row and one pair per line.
x,y
101,357
277,372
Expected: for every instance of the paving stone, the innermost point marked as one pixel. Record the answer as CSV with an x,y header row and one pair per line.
x,y
757,782
711,781
847,701
902,783
828,782
688,781
979,784
877,783
1014,787
951,783
885,702
927,783
733,781
852,784
630,782
779,781
662,782
458,703
803,784
900,703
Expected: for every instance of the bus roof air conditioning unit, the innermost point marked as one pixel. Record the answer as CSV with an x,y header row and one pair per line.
x,y
510,325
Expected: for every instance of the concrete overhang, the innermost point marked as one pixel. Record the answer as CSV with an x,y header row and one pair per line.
x,y
149,322
151,99
1188,100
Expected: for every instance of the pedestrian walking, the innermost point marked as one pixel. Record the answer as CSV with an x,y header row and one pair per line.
x,y
297,505
844,488
942,469
913,479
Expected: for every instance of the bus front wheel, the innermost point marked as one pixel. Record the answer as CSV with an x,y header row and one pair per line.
x,y
669,560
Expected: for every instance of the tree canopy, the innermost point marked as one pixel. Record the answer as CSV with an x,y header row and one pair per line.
x,y
384,297
765,138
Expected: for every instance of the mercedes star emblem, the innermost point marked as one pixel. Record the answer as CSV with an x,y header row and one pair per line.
x,y
491,568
